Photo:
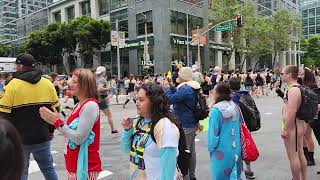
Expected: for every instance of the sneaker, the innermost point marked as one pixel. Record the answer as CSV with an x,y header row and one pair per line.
x,y
115,132
249,175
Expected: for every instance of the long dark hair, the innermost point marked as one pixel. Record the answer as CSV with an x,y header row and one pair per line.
x,y
11,152
309,79
223,92
160,107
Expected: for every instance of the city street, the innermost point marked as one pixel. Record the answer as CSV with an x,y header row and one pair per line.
x,y
271,165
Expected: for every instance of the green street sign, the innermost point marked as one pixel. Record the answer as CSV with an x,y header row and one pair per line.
x,y
226,27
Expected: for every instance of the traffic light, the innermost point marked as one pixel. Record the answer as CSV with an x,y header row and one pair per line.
x,y
239,20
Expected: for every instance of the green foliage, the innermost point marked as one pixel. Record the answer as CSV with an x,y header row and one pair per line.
x,y
253,38
48,45
259,35
4,50
311,46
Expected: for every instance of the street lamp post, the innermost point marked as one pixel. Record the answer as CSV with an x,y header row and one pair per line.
x,y
188,58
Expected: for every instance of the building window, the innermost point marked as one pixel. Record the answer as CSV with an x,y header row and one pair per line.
x,y
57,16
179,23
312,21
304,22
70,13
318,11
318,30
305,30
318,20
116,4
103,7
312,30
86,9
120,15
141,23
312,12
123,26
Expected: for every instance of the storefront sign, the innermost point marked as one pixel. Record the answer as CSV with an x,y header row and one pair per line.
x,y
138,42
181,41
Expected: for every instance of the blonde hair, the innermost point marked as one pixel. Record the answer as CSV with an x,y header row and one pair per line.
x,y
87,83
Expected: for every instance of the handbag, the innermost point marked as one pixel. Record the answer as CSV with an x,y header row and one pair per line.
x,y
249,149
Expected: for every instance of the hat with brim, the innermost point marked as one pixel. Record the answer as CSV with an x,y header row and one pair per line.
x,y
100,70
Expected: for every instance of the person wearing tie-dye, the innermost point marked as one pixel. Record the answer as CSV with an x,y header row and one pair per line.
x,y
149,159
224,144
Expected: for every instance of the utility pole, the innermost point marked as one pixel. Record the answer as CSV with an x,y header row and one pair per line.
x,y
118,49
199,54
187,12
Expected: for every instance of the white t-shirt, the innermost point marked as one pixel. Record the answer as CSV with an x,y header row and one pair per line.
x,y
167,135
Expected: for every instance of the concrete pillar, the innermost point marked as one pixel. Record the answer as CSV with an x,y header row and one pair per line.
x,y
218,58
232,60
161,20
63,15
206,60
244,62
282,59
94,8
96,59
218,54
77,9
66,63
132,29
295,54
289,56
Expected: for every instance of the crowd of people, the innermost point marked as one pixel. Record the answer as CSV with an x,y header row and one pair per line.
x,y
159,141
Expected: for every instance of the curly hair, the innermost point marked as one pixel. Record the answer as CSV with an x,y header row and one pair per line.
x,y
160,107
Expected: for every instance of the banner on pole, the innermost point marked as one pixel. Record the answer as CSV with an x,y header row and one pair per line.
x,y
201,40
122,39
114,38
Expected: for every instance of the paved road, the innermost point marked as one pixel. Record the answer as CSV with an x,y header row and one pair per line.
x,y
271,165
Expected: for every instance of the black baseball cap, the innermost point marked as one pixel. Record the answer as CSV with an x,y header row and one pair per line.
x,y
26,60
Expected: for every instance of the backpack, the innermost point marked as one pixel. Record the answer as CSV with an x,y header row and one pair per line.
x,y
249,111
309,104
317,91
201,111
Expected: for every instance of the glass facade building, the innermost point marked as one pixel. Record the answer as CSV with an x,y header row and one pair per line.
x,y
11,11
310,16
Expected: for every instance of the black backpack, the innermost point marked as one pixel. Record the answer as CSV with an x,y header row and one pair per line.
x,y
249,111
309,104
201,111
183,159
317,91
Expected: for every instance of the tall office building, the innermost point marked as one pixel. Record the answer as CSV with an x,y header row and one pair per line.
x,y
11,11
310,15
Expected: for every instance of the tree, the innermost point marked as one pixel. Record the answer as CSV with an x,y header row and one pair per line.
x,y
285,26
83,35
4,50
253,38
311,46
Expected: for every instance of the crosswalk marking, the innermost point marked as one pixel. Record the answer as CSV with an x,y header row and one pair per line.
x,y
104,174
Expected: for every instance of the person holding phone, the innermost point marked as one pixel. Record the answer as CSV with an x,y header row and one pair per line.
x,y
151,157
